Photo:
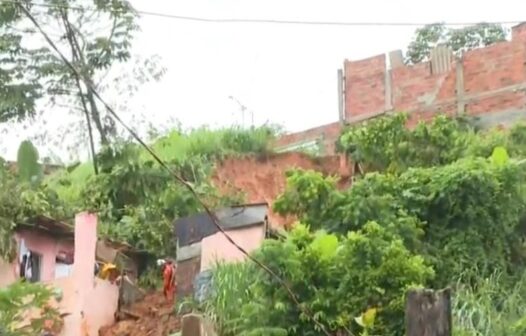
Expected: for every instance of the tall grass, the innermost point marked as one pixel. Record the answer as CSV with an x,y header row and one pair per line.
x,y
209,143
495,306
223,307
193,148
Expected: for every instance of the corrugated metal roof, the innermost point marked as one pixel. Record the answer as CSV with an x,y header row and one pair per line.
x,y
193,229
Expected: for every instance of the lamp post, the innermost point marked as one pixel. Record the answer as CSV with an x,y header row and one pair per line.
x,y
243,109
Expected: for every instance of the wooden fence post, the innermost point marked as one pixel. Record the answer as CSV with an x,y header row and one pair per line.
x,y
428,313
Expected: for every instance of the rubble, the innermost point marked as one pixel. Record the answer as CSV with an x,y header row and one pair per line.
x,y
152,316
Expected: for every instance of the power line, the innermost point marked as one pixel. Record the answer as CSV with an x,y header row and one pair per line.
x,y
274,21
163,164
311,23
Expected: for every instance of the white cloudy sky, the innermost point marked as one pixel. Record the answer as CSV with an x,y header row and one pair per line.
x,y
285,74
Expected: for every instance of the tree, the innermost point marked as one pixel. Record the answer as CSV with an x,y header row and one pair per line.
x,y
335,278
21,202
93,38
467,204
132,191
460,40
29,170
387,144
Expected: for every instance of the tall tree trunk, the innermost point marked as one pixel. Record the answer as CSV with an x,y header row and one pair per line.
x,y
95,115
93,110
76,57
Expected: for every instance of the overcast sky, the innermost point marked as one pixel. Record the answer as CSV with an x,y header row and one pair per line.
x,y
285,74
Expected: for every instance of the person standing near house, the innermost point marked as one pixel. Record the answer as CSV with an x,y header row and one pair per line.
x,y
169,284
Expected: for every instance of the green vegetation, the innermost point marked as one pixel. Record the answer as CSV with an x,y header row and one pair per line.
x,y
458,39
434,203
490,306
19,298
29,170
20,202
132,192
438,205
95,37
136,199
337,278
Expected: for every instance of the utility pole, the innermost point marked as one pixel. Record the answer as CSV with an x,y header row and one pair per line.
x,y
243,109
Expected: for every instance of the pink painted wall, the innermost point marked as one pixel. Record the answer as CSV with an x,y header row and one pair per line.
x,y
97,310
8,273
217,248
48,247
91,302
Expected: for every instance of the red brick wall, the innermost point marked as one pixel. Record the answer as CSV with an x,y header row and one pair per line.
x,y
365,86
492,85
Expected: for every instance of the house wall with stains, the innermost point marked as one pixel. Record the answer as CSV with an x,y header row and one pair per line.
x,y
90,302
45,245
8,273
216,247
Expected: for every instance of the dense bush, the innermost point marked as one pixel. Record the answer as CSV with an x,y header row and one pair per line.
x,y
20,298
435,200
21,201
337,279
137,199
469,212
386,144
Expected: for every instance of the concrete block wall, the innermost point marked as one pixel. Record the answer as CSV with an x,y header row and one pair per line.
x,y
488,83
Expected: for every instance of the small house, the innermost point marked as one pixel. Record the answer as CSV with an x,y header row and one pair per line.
x,y
200,244
63,257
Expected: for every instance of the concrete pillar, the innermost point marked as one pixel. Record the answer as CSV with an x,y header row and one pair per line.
x,y
388,91
191,325
345,170
85,248
441,59
341,97
428,313
459,87
396,58
196,325
83,267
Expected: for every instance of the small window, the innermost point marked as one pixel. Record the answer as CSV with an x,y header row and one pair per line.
x,y
33,268
62,270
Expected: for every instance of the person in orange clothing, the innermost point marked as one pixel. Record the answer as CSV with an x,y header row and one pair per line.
x,y
169,284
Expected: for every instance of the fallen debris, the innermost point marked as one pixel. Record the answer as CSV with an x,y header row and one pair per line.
x,y
152,316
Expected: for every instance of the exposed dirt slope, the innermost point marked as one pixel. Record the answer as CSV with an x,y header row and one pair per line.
x,y
157,318
263,179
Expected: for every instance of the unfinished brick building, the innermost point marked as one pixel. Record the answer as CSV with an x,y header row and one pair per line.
x,y
487,83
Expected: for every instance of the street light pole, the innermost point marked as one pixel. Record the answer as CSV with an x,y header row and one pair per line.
x,y
243,109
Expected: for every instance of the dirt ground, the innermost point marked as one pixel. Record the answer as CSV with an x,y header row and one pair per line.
x,y
263,179
156,318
